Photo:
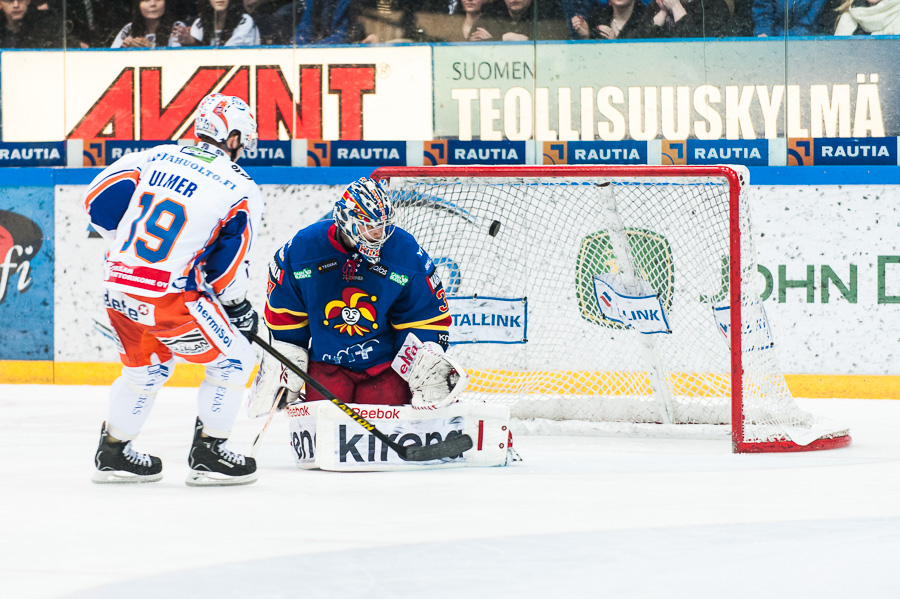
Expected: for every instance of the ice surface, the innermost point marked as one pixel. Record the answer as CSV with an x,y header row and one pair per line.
x,y
580,517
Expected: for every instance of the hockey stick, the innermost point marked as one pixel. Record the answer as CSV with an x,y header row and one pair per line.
x,y
452,446
104,330
257,441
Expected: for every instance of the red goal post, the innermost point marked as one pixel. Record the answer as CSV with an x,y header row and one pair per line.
x,y
531,241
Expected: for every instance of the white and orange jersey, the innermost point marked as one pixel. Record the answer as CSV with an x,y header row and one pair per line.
x,y
179,218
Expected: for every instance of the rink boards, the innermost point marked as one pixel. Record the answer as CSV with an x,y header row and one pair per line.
x,y
829,274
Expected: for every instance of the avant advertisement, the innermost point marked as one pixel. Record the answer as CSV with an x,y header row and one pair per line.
x,y
750,89
324,93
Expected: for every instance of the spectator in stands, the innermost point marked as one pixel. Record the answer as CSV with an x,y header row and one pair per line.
x,y
806,17
741,19
522,20
275,19
221,23
92,23
24,26
399,21
330,22
577,8
471,26
690,18
151,26
868,17
183,10
620,19
515,22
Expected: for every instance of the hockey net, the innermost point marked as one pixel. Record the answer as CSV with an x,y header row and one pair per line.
x,y
518,250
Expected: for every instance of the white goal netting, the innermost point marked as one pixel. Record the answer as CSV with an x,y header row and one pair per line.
x,y
518,252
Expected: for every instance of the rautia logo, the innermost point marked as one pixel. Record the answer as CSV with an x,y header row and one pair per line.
x,y
20,241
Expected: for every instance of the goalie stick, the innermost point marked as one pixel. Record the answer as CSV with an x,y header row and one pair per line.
x,y
254,449
452,446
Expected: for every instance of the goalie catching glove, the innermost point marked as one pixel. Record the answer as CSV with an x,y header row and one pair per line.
x,y
435,379
273,376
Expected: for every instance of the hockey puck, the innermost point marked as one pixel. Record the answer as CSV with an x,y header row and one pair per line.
x,y
494,228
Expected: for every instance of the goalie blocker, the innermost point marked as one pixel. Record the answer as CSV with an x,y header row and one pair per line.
x,y
322,437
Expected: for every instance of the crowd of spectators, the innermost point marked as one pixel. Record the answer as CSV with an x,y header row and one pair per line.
x,y
212,23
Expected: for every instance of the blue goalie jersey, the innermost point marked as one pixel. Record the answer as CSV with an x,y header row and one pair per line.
x,y
347,311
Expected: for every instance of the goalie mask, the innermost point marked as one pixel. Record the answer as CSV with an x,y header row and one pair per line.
x,y
365,215
218,116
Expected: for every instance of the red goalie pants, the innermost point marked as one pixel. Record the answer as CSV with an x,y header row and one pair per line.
x,y
386,388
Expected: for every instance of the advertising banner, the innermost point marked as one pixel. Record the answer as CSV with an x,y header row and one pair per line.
x,y
26,273
733,90
268,153
830,283
103,152
356,153
488,320
33,154
457,152
830,151
695,151
309,93
595,152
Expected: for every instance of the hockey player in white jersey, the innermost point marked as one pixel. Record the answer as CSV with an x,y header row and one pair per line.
x,y
180,221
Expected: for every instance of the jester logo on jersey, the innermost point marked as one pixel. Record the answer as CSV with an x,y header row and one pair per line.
x,y
351,310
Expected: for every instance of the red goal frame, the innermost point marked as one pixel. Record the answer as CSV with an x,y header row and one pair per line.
x,y
735,185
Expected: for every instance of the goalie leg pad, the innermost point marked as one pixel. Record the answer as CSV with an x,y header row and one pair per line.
x,y
274,376
323,437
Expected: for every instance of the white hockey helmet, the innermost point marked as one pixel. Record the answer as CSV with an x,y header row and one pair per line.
x,y
366,215
218,116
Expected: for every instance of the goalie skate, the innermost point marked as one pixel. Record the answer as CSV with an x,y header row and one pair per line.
x,y
119,463
213,464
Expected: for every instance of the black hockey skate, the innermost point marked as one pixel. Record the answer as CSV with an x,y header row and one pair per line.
x,y
213,464
119,463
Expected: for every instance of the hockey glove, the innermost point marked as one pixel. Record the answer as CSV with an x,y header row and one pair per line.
x,y
243,317
435,379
